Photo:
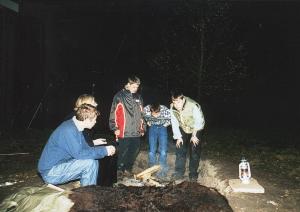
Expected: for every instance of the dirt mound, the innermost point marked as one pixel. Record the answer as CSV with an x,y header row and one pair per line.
x,y
187,196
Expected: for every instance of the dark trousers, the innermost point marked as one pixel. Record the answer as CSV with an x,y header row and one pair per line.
x,y
194,155
127,152
107,174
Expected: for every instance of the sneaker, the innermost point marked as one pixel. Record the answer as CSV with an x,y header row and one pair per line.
x,y
76,184
127,173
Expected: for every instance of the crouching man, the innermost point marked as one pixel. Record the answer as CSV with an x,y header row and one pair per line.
x,y
67,156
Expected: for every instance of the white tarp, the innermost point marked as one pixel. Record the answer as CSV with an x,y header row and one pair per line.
x,y
37,199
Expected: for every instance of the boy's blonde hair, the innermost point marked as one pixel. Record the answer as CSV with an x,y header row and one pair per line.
x,y
85,99
86,111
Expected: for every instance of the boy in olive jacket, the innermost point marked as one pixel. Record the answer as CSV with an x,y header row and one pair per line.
x,y
187,122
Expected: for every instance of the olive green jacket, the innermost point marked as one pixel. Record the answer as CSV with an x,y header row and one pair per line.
x,y
190,119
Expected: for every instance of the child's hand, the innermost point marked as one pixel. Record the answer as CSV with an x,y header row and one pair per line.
x,y
195,140
179,142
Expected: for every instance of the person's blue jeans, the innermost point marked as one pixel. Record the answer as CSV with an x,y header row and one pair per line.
x,y
158,136
85,170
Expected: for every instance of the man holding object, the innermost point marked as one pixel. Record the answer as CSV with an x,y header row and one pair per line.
x,y
67,156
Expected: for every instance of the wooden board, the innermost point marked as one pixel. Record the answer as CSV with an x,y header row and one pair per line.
x,y
252,187
146,174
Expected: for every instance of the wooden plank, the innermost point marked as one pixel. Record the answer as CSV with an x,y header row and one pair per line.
x,y
147,173
153,182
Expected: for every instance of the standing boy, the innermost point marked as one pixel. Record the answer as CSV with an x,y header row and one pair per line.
x,y
126,120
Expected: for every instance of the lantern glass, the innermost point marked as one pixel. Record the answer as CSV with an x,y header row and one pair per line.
x,y
244,171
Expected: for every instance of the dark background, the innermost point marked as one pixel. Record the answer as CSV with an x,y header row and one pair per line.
x,y
53,51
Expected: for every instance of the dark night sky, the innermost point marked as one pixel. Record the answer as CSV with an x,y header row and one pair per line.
x,y
101,42
273,35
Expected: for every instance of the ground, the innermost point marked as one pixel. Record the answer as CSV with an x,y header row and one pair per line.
x,y
273,156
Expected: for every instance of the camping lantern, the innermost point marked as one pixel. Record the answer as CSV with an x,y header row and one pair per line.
x,y
244,171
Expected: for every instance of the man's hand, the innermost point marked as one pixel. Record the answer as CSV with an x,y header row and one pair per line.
x,y
111,150
179,142
142,132
99,141
148,123
194,140
117,132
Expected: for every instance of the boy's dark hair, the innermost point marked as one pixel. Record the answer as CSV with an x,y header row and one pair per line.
x,y
133,79
155,107
176,94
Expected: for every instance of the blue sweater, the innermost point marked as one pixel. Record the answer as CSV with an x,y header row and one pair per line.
x,y
67,143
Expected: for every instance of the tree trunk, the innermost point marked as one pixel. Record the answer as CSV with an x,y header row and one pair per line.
x,y
202,51
7,66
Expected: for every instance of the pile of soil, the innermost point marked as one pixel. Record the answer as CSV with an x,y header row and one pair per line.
x,y
187,196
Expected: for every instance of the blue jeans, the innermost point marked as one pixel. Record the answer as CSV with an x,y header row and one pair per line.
x,y
158,135
85,170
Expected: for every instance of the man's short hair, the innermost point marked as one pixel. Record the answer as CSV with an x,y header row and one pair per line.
x,y
155,107
86,111
134,80
176,94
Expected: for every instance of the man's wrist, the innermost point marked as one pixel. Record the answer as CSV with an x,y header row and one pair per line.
x,y
194,134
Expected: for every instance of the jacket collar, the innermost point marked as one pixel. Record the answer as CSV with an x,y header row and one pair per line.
x,y
78,124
